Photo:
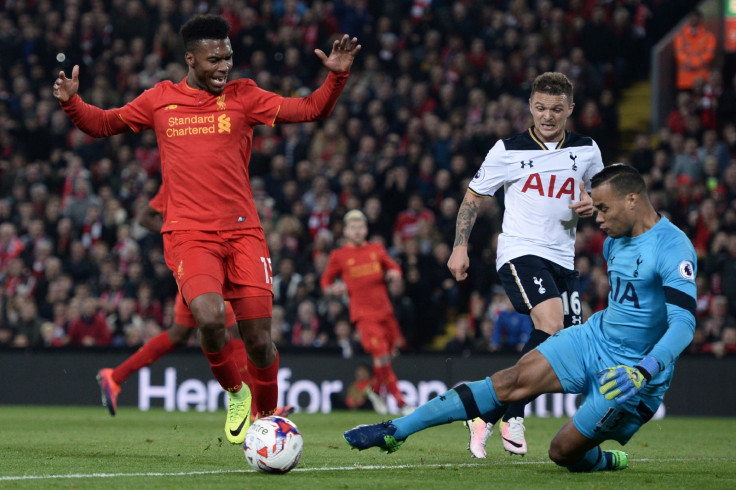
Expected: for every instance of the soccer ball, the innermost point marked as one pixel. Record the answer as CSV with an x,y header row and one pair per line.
x,y
273,445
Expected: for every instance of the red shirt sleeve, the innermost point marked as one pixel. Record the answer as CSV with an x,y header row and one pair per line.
x,y
92,120
387,263
315,107
331,271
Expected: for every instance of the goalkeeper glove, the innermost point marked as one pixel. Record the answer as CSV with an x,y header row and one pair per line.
x,y
623,382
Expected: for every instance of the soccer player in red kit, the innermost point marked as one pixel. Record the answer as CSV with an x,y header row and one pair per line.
x,y
364,268
213,239
176,336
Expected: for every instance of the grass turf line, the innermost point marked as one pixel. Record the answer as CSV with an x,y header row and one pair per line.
x,y
83,447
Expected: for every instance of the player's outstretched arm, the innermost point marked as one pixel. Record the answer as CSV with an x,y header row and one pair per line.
x,y
342,55
92,120
319,104
65,88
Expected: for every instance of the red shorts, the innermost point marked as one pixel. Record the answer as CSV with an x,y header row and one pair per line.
x,y
183,315
379,336
235,264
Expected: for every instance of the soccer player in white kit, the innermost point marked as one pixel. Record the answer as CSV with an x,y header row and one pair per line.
x,y
545,173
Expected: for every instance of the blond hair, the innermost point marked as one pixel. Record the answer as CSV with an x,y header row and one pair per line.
x,y
354,215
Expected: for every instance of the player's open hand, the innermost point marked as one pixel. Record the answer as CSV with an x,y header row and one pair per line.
x,y
65,88
342,55
392,275
459,263
584,207
620,382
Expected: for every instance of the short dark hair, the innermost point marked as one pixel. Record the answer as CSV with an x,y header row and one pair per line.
x,y
553,83
624,179
201,27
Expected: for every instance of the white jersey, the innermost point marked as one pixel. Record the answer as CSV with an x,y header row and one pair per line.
x,y
540,181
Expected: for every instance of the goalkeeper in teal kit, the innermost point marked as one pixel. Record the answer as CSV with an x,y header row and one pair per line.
x,y
621,360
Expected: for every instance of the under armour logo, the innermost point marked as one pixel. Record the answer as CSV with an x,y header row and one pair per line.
x,y
638,263
538,282
523,163
573,158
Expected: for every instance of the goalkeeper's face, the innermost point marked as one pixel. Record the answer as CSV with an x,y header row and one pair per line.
x,y
550,113
356,231
616,212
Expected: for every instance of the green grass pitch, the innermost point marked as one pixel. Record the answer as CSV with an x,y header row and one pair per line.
x,y
83,447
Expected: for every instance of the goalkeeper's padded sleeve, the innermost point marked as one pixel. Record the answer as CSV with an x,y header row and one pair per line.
x,y
649,367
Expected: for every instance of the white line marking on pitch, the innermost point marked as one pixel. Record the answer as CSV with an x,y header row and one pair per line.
x,y
309,470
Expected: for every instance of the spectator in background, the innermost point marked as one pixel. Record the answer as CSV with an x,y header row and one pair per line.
x,y
90,329
28,326
307,331
642,156
344,338
408,221
695,49
39,172
285,282
461,343
357,394
683,109
725,346
719,319
11,247
687,162
511,330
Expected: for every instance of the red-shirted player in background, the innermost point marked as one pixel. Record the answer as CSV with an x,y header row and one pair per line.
x,y
213,239
364,268
176,336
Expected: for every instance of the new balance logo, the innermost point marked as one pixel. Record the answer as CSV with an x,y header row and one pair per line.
x,y
524,164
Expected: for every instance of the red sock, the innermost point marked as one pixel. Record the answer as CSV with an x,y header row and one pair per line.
x,y
377,380
389,380
224,367
151,352
241,359
265,385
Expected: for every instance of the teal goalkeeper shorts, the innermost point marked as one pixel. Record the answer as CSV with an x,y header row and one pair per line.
x,y
577,354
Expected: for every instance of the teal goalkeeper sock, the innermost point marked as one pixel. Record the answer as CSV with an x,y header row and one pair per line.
x,y
460,403
594,460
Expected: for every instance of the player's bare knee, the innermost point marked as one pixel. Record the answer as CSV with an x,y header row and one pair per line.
x,y
558,455
260,349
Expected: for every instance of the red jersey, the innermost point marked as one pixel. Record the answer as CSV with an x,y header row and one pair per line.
x,y
362,270
205,142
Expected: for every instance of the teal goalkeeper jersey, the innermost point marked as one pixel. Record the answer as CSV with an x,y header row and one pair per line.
x,y
651,305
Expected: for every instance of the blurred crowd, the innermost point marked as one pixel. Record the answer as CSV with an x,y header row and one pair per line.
x,y
436,83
